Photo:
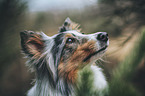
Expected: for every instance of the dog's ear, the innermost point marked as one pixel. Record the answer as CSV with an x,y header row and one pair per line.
x,y
32,43
69,25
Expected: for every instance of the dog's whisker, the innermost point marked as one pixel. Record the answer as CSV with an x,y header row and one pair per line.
x,y
104,60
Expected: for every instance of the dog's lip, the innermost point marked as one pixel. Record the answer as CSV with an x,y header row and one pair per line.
x,y
88,57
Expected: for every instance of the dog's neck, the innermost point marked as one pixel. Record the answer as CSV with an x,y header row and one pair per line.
x,y
46,81
61,87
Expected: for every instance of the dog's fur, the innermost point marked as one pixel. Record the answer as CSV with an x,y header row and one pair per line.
x,y
59,61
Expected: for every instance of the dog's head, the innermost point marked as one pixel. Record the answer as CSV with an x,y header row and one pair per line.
x,y
64,53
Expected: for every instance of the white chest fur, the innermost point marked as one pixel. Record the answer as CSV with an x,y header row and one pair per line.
x,y
100,82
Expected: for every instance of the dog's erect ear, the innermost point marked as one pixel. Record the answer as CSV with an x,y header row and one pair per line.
x,y
66,26
69,25
32,43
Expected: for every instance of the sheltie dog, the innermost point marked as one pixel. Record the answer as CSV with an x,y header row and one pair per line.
x,y
60,61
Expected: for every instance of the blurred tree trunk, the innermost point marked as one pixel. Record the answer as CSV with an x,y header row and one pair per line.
x,y
12,13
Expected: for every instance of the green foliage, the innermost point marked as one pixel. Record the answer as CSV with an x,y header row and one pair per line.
x,y
122,88
85,83
121,82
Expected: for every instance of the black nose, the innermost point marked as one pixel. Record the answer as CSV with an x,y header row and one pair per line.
x,y
103,36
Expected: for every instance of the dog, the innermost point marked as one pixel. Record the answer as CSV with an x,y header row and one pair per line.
x,y
60,60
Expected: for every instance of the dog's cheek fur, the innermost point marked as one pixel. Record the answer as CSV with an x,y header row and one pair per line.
x,y
64,68
69,67
83,51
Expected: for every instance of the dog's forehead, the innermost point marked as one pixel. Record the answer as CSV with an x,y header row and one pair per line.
x,y
73,32
77,34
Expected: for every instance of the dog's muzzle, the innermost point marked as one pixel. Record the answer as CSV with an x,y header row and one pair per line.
x,y
102,37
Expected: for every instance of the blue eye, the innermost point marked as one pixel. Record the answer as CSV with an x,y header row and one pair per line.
x,y
70,40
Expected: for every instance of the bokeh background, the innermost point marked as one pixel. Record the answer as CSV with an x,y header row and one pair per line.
x,y
124,20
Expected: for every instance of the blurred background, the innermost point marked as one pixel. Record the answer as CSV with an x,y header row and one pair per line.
x,y
124,20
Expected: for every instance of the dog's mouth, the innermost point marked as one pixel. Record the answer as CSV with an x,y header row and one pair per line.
x,y
89,56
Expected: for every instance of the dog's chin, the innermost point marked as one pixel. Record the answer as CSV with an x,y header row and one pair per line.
x,y
96,55
94,58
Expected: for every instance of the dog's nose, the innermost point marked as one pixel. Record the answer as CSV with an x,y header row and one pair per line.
x,y
102,36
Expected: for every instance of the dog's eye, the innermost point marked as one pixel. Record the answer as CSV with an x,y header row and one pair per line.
x,y
70,40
